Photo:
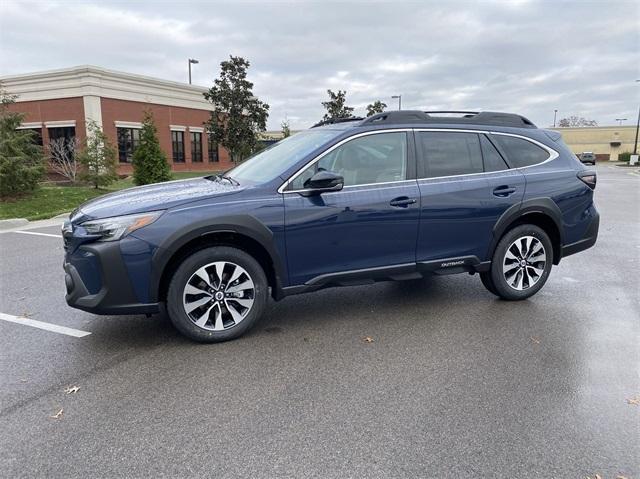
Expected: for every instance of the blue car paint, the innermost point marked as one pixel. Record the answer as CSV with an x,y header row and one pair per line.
x,y
352,229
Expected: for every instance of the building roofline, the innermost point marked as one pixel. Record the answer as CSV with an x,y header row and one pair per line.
x,y
89,80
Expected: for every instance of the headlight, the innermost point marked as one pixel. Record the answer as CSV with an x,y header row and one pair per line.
x,y
112,229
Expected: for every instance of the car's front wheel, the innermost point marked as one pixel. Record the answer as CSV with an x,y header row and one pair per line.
x,y
217,294
521,263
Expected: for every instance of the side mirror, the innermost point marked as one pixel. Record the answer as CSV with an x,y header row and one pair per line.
x,y
324,181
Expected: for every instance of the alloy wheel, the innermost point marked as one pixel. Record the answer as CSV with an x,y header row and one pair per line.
x,y
218,296
524,263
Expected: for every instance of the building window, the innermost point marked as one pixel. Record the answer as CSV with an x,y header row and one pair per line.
x,y
196,147
213,150
128,141
177,146
66,132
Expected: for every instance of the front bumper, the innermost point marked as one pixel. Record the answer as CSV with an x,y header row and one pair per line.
x,y
97,281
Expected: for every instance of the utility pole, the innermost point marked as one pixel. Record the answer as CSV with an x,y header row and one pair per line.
x,y
555,112
635,143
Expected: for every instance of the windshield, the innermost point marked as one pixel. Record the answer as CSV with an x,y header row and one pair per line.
x,y
273,161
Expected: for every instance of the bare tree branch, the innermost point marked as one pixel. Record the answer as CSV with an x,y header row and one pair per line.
x,y
62,157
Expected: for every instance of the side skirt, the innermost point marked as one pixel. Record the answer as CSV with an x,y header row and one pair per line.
x,y
401,272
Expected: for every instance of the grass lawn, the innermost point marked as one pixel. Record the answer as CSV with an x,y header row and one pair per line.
x,y
49,201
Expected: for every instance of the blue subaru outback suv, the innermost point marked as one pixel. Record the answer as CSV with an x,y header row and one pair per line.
x,y
398,195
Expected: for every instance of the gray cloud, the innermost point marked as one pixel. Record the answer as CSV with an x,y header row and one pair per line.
x,y
528,57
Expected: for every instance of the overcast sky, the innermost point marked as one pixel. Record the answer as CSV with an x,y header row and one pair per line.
x,y
529,57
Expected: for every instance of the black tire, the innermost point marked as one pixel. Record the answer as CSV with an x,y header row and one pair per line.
x,y
488,282
185,323
503,288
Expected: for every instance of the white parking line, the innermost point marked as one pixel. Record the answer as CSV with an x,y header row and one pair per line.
x,y
36,233
76,333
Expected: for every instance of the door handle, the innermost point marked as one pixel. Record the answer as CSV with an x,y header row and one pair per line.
x,y
503,191
402,201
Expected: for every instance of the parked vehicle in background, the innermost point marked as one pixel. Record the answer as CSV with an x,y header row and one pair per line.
x,y
396,196
588,157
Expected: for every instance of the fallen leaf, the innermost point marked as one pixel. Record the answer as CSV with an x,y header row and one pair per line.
x,y
621,477
72,389
57,415
634,400
367,339
535,340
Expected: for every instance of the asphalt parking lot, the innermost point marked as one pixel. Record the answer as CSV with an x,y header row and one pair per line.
x,y
455,382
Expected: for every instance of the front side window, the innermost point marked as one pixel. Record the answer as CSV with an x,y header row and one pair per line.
x,y
378,158
213,149
128,141
450,153
521,152
177,146
196,146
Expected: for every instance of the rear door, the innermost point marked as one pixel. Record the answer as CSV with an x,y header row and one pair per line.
x,y
465,186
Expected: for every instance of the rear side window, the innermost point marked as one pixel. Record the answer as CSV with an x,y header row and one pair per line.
x,y
492,159
521,152
449,154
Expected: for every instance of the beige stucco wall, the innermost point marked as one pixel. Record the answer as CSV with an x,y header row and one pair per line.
x,y
598,139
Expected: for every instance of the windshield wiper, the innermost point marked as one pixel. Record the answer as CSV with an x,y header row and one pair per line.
x,y
229,179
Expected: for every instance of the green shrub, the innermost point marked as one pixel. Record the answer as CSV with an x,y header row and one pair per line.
x,y
21,159
626,157
98,158
149,161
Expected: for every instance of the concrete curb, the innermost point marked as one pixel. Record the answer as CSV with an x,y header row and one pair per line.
x,y
13,223
17,224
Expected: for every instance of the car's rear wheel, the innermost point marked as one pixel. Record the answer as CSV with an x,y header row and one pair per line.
x,y
217,294
521,263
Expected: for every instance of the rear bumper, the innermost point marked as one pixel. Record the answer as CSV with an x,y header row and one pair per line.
x,y
106,273
590,237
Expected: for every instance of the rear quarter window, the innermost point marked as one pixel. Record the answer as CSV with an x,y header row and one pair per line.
x,y
521,152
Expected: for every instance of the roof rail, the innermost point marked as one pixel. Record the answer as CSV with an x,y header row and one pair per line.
x,y
467,117
331,121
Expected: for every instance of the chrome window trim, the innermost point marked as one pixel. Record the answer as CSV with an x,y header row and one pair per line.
x,y
553,154
340,143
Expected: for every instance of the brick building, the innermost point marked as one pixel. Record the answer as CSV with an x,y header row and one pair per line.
x,y
59,103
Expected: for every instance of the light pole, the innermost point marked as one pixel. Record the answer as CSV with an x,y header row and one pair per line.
x,y
635,143
555,112
194,61
399,97
621,120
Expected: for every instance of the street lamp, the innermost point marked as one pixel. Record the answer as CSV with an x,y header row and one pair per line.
x,y
621,120
194,61
399,97
555,112
635,144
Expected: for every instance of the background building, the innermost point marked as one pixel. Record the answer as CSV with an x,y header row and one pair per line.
x,y
607,142
59,103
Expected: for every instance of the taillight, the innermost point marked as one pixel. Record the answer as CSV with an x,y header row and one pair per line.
x,y
588,178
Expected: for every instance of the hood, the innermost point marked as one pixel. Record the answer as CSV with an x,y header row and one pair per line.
x,y
159,196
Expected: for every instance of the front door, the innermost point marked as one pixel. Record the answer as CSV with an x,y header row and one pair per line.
x,y
372,223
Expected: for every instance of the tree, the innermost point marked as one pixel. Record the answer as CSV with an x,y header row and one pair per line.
x,y
149,161
576,121
98,158
286,130
237,116
21,159
375,107
63,157
336,107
